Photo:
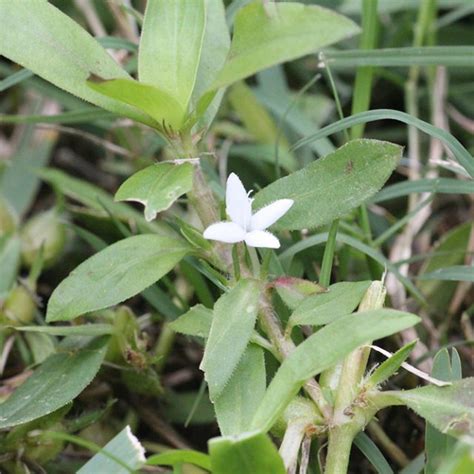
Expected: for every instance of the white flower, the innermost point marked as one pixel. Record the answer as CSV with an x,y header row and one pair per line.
x,y
244,226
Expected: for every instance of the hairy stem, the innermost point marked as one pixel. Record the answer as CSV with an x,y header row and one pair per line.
x,y
284,346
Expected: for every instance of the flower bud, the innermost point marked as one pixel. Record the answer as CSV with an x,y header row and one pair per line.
x,y
19,307
43,230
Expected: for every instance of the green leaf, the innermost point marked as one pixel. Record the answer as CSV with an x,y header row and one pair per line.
x,y
60,379
396,57
372,453
10,246
387,368
464,158
41,346
450,409
96,198
455,273
43,39
350,175
157,186
114,274
195,322
165,111
238,402
180,456
216,43
323,308
449,251
79,330
250,453
271,33
170,46
323,350
232,326
439,445
425,185
294,290
256,118
460,460
125,447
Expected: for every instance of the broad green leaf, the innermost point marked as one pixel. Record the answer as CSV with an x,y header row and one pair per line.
x,y
96,198
180,456
166,111
79,330
455,273
59,379
195,322
250,453
439,445
323,350
266,34
450,409
334,185
387,368
126,447
339,299
232,326
114,274
238,402
215,46
10,246
293,291
43,39
170,46
157,186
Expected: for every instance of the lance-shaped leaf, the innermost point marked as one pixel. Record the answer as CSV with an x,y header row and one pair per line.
x,y
238,402
114,274
270,33
232,326
158,104
321,351
450,409
250,453
334,185
59,379
157,186
387,368
170,46
323,308
455,273
41,38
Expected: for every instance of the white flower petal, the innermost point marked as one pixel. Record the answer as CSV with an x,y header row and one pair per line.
x,y
268,215
238,204
261,238
228,232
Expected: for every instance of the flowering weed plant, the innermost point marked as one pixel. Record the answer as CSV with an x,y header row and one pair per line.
x,y
282,296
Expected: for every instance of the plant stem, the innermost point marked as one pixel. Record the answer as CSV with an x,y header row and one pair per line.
x,y
284,346
339,449
328,257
